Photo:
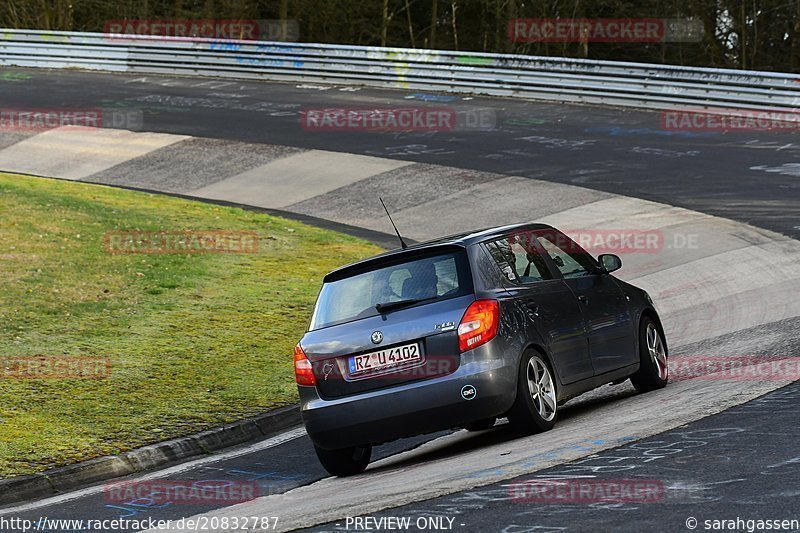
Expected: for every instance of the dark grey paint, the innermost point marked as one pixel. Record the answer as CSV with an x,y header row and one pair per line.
x,y
589,343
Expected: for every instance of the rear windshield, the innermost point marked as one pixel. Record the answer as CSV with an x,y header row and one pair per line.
x,y
431,277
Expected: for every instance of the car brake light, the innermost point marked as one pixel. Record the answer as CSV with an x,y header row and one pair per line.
x,y
479,324
303,373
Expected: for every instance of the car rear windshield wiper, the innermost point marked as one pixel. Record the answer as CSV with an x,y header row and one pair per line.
x,y
388,306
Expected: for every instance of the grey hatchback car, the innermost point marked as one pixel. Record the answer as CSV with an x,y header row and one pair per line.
x,y
456,332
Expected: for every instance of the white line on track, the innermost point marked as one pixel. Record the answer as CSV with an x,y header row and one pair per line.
x,y
183,467
433,470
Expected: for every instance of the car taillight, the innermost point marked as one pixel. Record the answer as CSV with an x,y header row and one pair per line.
x,y
479,324
303,373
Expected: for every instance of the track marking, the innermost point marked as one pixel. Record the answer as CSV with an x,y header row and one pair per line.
x,y
183,467
431,471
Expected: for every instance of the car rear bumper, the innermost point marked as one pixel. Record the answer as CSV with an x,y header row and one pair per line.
x,y
413,408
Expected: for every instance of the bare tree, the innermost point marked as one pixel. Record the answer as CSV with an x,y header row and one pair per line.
x,y
434,21
455,29
410,25
385,24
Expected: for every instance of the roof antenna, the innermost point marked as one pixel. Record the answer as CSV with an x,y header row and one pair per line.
x,y
402,242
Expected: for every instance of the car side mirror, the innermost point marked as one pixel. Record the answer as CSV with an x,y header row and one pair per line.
x,y
610,262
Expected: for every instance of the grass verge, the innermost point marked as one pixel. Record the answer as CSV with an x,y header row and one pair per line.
x,y
194,340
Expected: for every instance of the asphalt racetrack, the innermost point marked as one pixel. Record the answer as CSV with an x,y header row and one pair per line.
x,y
716,449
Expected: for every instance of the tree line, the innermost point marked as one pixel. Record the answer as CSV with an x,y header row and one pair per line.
x,y
743,34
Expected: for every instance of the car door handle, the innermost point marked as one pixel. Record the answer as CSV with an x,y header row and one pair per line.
x,y
533,308
583,298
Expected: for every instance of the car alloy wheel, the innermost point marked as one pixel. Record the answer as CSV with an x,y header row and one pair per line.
x,y
541,389
536,406
653,370
657,352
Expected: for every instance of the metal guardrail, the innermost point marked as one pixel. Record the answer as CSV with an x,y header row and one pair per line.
x,y
541,78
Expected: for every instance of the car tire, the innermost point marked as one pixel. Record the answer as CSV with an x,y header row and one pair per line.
x,y
653,370
481,425
345,461
536,407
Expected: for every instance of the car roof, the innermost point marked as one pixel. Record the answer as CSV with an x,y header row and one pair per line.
x,y
459,239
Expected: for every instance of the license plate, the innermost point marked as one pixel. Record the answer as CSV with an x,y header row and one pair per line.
x,y
383,359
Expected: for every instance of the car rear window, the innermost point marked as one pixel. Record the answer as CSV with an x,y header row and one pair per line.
x,y
429,277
